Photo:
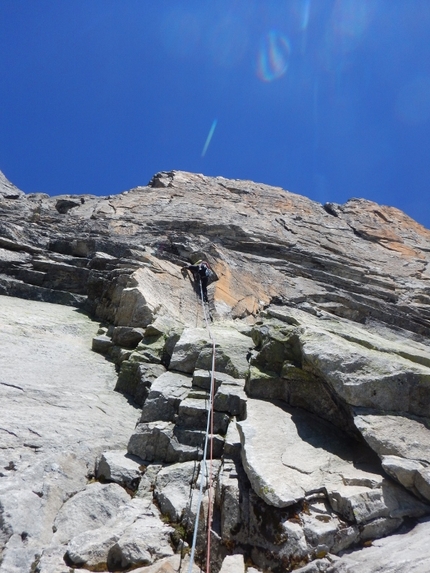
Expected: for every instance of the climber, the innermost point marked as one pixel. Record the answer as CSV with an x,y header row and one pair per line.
x,y
200,272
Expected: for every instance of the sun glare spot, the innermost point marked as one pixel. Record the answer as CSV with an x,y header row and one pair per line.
x,y
274,55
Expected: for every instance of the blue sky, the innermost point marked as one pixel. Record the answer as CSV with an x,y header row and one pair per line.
x,y
326,98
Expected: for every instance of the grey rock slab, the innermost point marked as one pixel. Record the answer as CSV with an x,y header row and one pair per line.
x,y
102,344
61,396
387,341
404,551
59,412
317,566
287,454
52,561
165,395
7,189
134,308
401,469
156,442
232,445
173,487
324,531
395,435
380,527
422,483
196,438
403,443
147,482
365,377
127,336
361,504
231,352
91,548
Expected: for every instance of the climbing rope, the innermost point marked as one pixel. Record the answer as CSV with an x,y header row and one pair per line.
x,y
206,477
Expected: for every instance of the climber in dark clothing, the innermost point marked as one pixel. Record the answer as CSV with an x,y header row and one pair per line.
x,y
201,274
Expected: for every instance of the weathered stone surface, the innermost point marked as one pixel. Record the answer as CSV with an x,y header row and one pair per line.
x,y
351,347
127,336
202,379
166,393
233,564
288,454
156,441
101,344
395,554
173,487
88,509
120,467
193,413
188,348
136,379
396,435
194,351
232,440
361,504
231,399
59,413
168,565
7,189
400,385
134,536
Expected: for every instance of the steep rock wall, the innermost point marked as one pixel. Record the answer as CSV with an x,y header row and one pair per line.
x,y
321,321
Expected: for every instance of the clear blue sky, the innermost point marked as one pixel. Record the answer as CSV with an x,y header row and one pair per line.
x,y
326,98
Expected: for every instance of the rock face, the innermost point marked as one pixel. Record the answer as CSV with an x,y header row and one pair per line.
x,y
319,319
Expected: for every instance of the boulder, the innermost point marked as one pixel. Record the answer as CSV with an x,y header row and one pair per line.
x,y
120,467
136,378
188,348
127,336
407,548
166,393
135,536
233,564
173,487
88,509
396,435
232,400
193,414
156,441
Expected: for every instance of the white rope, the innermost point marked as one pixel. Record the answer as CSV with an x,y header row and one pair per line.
x,y
203,478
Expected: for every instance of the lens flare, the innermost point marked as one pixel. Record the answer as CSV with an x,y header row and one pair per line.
x,y
305,14
209,137
273,58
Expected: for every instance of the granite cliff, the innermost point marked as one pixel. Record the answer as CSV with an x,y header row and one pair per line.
x,y
321,320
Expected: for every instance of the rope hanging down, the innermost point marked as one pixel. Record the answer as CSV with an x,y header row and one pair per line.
x,y
205,477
